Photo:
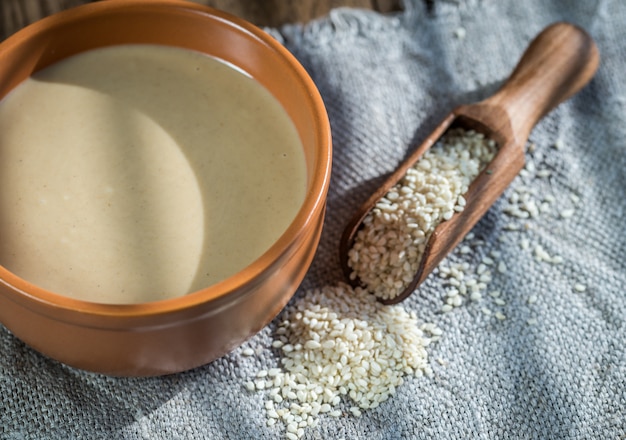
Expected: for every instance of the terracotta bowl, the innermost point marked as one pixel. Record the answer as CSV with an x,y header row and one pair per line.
x,y
185,332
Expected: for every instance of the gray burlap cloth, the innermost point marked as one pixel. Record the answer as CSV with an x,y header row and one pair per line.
x,y
555,368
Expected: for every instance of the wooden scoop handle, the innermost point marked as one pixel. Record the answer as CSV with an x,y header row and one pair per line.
x,y
556,65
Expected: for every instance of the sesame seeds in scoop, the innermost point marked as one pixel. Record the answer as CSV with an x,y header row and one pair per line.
x,y
388,248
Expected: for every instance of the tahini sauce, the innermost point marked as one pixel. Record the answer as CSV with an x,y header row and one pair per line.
x,y
137,173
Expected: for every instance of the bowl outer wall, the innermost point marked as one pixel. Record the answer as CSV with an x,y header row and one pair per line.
x,y
180,333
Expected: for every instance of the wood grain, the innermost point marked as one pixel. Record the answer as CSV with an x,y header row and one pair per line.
x,y
15,14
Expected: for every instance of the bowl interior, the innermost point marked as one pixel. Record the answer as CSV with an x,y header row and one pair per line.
x,y
194,27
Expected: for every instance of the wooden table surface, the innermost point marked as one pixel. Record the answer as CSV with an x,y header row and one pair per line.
x,y
15,14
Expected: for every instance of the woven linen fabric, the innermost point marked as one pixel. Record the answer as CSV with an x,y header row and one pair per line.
x,y
555,368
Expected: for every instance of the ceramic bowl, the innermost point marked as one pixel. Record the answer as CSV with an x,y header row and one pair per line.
x,y
177,334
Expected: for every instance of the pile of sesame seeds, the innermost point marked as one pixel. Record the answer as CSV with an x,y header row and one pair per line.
x,y
336,342
389,246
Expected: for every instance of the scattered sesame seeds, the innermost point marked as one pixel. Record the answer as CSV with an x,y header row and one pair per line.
x,y
541,255
373,347
388,248
461,282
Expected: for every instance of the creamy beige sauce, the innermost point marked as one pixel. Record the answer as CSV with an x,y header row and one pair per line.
x,y
138,173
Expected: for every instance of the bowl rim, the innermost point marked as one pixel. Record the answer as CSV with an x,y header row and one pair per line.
x,y
68,308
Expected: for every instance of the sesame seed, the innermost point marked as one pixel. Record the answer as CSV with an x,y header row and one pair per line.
x,y
579,287
247,352
557,259
476,296
541,254
292,427
356,412
488,261
272,372
312,345
452,293
544,173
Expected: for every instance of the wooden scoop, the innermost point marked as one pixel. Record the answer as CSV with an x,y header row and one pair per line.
x,y
557,64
